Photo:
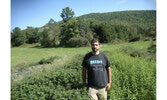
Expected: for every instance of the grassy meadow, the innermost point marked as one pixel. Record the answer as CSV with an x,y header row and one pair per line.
x,y
133,68
32,55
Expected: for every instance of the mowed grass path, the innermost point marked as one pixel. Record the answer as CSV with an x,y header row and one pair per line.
x,y
32,55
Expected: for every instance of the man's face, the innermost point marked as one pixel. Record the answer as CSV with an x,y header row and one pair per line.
x,y
95,46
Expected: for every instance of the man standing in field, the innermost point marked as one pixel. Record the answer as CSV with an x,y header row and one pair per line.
x,y
97,66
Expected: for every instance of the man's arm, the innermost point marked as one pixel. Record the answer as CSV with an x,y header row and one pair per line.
x,y
84,76
109,78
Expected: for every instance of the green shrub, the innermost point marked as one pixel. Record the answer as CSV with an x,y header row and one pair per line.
x,y
152,48
48,61
132,78
134,52
138,53
78,42
60,84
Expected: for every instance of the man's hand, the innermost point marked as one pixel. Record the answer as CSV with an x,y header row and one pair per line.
x,y
85,87
108,86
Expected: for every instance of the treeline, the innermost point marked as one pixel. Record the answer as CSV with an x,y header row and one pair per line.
x,y
124,26
47,35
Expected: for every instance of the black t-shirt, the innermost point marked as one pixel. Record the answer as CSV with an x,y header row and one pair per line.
x,y
97,69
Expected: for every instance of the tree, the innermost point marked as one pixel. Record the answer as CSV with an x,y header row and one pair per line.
x,y
69,26
67,14
51,21
18,37
45,40
69,30
31,35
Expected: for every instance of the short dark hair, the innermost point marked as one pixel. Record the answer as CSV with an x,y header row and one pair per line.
x,y
95,40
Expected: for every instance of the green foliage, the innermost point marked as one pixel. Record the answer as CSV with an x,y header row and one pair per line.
x,y
48,39
84,28
32,35
148,54
139,18
51,21
112,27
47,61
45,40
152,48
78,42
133,52
67,14
127,26
133,78
69,30
17,37
62,83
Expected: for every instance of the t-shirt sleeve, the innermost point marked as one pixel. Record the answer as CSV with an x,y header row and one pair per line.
x,y
107,61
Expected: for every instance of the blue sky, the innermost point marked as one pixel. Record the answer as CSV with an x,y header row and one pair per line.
x,y
37,13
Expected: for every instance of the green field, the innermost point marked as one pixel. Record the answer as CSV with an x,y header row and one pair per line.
x,y
33,55
133,72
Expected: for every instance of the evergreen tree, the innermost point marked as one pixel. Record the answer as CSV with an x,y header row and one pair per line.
x,y
67,14
69,26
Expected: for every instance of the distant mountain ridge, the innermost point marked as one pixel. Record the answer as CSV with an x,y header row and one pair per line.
x,y
124,17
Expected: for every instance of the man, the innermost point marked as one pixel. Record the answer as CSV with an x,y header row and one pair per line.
x,y
97,66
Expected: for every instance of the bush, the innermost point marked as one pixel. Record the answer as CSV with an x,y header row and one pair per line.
x,y
46,42
152,48
133,52
48,61
132,79
60,84
78,42
135,38
138,53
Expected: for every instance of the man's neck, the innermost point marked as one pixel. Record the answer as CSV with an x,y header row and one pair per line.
x,y
96,53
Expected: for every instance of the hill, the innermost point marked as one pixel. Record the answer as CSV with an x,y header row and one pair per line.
x,y
128,17
123,25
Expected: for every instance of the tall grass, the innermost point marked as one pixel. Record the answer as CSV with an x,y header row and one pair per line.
x,y
133,77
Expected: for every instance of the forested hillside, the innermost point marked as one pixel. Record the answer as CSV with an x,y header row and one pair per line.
x,y
124,25
111,27
138,17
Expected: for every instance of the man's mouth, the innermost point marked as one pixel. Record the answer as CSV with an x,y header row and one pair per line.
x,y
94,49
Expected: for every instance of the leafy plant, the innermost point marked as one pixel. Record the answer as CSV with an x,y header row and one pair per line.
x,y
49,60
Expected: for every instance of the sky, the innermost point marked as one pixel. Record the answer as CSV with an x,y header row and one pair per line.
x,y
37,13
